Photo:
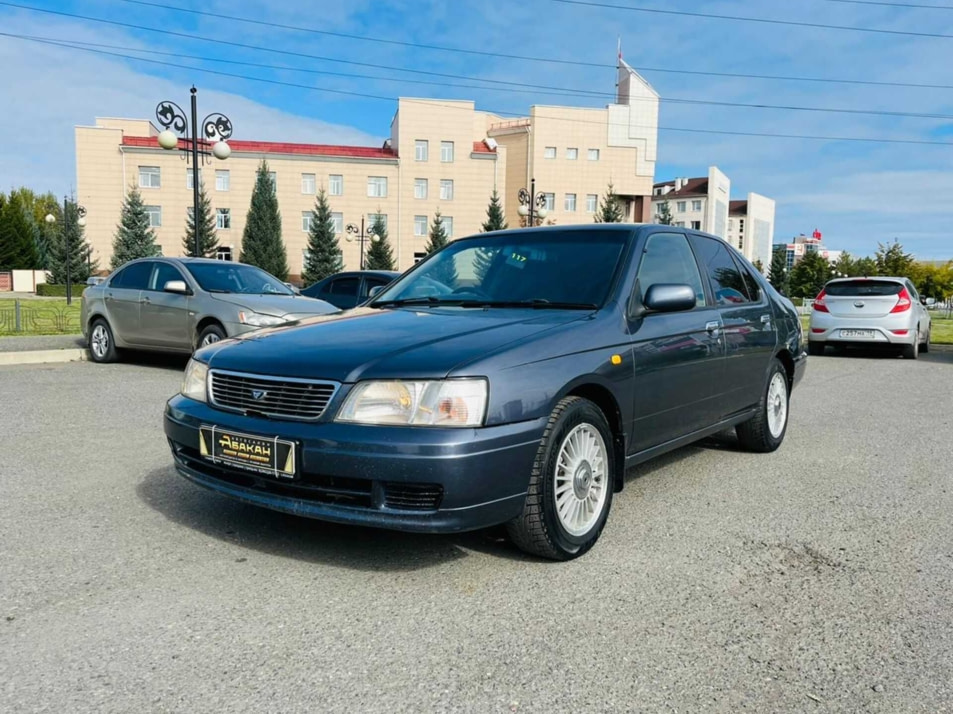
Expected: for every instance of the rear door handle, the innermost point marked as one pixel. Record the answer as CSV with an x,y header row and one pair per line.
x,y
765,319
713,327
143,301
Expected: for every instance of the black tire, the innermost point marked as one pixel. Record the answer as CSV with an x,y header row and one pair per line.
x,y
815,349
539,530
925,345
211,334
911,351
101,343
756,433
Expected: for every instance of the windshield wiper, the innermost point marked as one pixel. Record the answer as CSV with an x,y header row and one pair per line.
x,y
539,304
218,290
431,300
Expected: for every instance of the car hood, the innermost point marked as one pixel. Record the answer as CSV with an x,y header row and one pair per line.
x,y
383,344
277,305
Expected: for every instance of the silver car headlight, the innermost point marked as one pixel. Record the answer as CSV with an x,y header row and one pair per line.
x,y
196,377
256,319
446,403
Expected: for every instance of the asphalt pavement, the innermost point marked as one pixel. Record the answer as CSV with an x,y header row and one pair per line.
x,y
817,578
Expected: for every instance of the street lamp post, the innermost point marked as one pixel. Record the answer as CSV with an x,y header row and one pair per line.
x,y
532,204
353,231
215,127
80,221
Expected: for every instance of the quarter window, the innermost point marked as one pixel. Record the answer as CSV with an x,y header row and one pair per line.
x,y
752,285
668,258
726,281
149,177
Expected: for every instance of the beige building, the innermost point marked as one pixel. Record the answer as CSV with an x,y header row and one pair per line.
x,y
441,154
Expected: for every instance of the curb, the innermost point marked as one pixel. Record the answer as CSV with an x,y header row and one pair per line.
x,y
43,356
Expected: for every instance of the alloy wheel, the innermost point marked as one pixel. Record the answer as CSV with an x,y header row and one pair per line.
x,y
777,405
581,479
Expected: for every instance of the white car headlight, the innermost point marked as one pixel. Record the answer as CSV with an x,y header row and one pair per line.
x,y
451,403
196,377
258,320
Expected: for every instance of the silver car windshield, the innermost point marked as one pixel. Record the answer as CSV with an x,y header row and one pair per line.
x,y
224,277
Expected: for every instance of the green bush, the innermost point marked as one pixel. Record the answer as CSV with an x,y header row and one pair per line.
x,y
47,290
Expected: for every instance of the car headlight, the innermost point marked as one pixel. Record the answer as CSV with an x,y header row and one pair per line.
x,y
196,377
449,403
258,320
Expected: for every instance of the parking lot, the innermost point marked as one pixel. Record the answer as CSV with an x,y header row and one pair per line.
x,y
814,579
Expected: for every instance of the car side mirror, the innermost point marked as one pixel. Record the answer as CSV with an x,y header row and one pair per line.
x,y
176,286
669,297
375,290
293,288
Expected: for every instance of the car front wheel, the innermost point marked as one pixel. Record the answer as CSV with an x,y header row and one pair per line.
x,y
571,485
765,431
102,346
210,335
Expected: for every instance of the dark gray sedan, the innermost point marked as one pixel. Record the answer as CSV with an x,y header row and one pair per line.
x,y
180,304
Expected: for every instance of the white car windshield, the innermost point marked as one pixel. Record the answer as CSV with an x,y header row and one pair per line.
x,y
223,277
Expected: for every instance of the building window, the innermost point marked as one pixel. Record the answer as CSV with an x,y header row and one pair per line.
x,y
696,225
550,201
308,183
155,215
680,206
149,177
593,154
592,202
377,187
446,151
696,205
572,154
222,180
336,185
420,226
306,221
188,179
274,179
569,203
420,188
338,220
421,150
223,252
446,189
448,225
549,152
223,218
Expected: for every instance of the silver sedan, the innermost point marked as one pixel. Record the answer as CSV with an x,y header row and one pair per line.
x,y
870,312
181,304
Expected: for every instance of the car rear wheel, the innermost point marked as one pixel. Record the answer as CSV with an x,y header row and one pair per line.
x,y
911,351
925,345
102,346
815,349
210,335
571,485
765,431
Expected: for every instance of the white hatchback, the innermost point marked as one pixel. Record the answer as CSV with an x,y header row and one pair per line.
x,y
870,312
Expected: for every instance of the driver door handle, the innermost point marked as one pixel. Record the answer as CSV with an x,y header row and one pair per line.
x,y
144,301
713,327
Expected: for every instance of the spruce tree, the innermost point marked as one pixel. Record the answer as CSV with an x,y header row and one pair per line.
x,y
495,221
610,210
78,255
261,241
380,256
46,204
891,260
205,223
18,236
324,252
778,272
665,217
809,275
445,271
134,237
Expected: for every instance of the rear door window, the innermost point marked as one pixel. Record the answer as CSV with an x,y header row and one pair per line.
x,y
135,277
667,258
727,285
863,288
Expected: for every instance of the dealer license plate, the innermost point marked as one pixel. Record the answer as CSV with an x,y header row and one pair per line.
x,y
265,455
862,334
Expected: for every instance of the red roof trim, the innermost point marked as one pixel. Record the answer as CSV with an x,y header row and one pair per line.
x,y
272,147
480,147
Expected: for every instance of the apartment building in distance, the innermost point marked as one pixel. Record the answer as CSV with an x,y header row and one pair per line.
x,y
441,154
801,245
704,203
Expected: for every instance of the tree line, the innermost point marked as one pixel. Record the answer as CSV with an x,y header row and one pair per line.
x,y
811,273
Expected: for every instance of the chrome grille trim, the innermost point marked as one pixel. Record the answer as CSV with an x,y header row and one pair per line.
x,y
288,398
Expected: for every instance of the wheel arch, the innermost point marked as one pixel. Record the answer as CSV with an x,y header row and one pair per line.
x,y
785,357
202,324
603,397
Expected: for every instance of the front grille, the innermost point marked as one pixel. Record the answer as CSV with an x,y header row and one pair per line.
x,y
278,397
413,496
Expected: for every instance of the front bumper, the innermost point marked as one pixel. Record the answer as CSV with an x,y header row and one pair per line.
x,y
402,478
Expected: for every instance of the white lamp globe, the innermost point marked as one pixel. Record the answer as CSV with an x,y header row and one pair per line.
x,y
221,150
374,238
81,222
542,213
523,211
168,139
50,218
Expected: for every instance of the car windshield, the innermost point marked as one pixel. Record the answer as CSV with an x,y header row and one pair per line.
x,y
868,288
225,277
548,269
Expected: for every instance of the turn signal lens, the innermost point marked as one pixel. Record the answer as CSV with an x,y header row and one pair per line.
x,y
903,302
819,303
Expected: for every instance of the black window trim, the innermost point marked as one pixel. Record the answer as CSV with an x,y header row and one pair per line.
x,y
635,310
742,266
706,277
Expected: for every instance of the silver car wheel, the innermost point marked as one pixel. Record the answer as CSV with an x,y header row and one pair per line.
x,y
581,479
99,341
210,339
777,405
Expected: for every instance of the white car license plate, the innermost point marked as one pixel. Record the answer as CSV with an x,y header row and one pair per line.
x,y
863,334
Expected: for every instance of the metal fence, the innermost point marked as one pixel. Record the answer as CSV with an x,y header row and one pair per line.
x,y
38,316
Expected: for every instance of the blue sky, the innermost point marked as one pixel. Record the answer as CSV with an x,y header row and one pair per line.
x,y
856,193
